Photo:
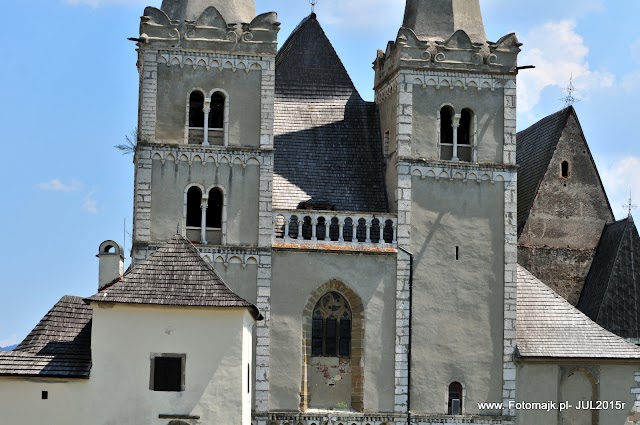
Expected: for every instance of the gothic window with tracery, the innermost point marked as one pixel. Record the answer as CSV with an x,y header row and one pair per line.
x,y
331,327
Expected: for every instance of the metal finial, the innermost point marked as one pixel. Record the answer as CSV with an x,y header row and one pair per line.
x,y
313,5
630,206
570,99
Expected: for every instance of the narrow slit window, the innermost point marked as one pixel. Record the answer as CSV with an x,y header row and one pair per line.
x,y
565,169
194,213
196,111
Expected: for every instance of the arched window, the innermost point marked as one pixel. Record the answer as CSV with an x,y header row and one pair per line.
x,y
465,136
331,327
446,125
455,399
446,133
214,208
565,169
216,116
194,212
196,109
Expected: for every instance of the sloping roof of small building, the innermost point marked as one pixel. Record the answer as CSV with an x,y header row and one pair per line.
x,y
59,346
611,292
174,275
549,327
327,139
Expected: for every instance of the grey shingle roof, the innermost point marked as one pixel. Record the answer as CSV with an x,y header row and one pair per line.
x,y
611,291
175,274
548,326
59,346
534,149
327,139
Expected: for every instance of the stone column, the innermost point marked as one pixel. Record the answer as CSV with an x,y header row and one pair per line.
x,y
203,220
455,124
206,110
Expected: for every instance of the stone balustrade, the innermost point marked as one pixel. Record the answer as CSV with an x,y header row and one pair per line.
x,y
333,228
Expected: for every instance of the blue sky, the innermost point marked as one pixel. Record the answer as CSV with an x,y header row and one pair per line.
x,y
70,94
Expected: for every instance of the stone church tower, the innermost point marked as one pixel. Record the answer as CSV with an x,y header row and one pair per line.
x,y
204,160
447,101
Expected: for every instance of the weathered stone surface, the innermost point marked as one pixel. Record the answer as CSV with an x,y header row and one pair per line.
x,y
563,269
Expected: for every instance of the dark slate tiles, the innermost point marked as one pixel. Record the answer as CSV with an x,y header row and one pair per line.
x,y
59,346
611,292
534,149
176,275
548,326
327,139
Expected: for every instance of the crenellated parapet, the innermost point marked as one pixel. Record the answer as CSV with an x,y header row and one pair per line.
x,y
210,32
458,53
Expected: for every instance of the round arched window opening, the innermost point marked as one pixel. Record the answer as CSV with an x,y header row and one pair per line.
x,y
454,406
194,212
196,109
331,327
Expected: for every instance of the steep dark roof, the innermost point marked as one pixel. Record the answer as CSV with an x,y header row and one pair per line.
x,y
548,326
59,346
174,275
611,294
327,139
534,149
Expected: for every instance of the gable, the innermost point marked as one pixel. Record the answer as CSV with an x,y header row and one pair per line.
x,y
567,211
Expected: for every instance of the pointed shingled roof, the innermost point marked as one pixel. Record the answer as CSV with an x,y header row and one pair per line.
x,y
59,345
611,293
174,275
548,326
327,139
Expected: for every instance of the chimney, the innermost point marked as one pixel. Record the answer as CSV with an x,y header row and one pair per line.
x,y
111,263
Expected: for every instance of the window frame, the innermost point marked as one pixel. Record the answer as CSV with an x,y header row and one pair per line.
x,y
152,370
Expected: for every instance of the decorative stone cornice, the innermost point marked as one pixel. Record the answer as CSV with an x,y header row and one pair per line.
x,y
464,172
215,155
210,32
458,53
211,60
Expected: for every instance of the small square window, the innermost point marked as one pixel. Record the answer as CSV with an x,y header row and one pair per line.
x,y
45,395
167,372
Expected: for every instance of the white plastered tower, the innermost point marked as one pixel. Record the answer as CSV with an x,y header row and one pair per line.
x,y
447,101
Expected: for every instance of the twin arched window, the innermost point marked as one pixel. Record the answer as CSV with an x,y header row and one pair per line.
x,y
204,213
331,327
456,134
206,118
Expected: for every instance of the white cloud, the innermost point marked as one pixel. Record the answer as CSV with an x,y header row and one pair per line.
x,y
621,178
13,339
558,52
57,185
90,204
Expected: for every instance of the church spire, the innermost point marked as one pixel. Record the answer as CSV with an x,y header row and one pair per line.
x,y
439,19
233,11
